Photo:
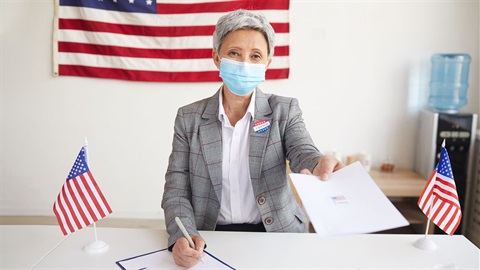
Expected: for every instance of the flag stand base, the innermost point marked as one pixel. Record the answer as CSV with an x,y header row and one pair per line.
x,y
96,247
425,244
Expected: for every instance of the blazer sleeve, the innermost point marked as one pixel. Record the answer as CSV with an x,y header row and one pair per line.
x,y
176,200
299,146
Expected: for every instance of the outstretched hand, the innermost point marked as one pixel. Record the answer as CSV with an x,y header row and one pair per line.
x,y
325,167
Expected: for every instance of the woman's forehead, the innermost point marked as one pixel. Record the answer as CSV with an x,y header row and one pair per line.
x,y
246,37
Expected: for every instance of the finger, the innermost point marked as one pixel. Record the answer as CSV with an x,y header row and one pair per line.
x,y
194,253
326,165
199,245
306,171
178,254
183,254
323,170
338,166
185,261
184,247
325,176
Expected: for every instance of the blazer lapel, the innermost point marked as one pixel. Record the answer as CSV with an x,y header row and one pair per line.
x,y
258,137
210,134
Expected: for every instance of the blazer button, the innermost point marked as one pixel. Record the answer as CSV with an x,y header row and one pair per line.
x,y
261,200
269,221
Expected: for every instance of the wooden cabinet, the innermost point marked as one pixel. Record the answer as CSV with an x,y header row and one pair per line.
x,y
403,187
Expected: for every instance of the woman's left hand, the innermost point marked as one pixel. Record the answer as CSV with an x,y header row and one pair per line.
x,y
325,167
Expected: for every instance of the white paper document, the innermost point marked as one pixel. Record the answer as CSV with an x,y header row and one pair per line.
x,y
349,202
163,259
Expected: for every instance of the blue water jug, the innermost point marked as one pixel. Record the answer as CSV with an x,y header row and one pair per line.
x,y
449,82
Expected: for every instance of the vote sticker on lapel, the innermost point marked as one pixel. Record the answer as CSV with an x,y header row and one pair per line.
x,y
261,126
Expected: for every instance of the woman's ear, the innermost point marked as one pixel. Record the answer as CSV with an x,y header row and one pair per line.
x,y
216,59
268,63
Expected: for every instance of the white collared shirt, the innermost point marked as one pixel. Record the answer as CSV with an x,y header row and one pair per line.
x,y
238,203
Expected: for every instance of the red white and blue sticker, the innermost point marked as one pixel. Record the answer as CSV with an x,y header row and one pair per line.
x,y
261,126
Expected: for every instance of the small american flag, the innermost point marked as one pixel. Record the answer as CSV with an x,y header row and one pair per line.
x,y
80,202
439,199
148,40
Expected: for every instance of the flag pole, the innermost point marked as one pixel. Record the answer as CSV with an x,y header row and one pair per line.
x,y
88,164
424,243
428,219
96,246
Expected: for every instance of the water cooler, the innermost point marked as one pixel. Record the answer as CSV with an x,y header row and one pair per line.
x,y
448,88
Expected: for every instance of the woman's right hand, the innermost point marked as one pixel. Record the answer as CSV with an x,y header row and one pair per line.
x,y
184,255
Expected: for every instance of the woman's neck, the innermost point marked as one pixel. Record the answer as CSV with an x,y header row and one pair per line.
x,y
235,106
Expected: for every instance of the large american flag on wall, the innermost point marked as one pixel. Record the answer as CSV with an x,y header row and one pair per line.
x,y
148,40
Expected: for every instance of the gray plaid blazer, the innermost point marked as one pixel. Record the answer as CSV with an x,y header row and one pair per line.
x,y
193,182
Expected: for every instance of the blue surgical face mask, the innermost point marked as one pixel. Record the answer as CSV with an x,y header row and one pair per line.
x,y
241,77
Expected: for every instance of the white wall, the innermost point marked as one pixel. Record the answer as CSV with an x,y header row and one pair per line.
x,y
360,70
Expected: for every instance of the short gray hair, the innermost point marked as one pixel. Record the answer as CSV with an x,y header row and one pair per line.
x,y
242,19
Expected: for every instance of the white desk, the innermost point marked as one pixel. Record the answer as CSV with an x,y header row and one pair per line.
x,y
241,250
22,246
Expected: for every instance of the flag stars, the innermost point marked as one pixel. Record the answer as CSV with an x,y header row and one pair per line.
x,y
445,168
80,166
149,2
131,1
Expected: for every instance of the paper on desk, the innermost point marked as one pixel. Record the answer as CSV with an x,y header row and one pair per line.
x,y
163,259
349,202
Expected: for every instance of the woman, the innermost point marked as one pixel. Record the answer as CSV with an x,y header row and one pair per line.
x,y
227,169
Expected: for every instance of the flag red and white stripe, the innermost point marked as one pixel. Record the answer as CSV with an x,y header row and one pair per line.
x,y
439,199
80,202
147,40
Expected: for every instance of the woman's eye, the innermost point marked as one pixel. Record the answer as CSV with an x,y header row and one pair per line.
x,y
256,57
233,54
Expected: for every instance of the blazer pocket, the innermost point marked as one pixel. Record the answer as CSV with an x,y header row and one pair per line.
x,y
301,216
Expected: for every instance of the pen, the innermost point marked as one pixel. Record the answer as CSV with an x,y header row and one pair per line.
x,y
185,233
